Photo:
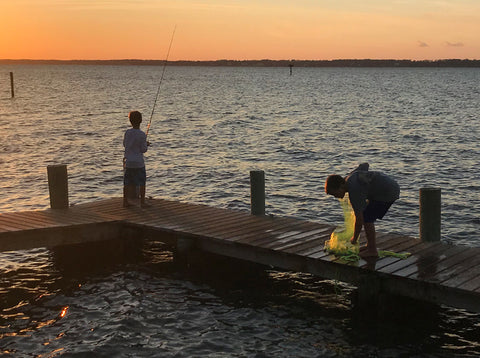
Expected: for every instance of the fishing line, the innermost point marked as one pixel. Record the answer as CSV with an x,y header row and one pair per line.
x,y
161,80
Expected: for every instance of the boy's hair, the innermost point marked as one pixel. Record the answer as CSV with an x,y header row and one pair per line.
x,y
333,183
135,118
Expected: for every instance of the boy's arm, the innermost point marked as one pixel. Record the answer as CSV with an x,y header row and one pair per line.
x,y
358,227
145,145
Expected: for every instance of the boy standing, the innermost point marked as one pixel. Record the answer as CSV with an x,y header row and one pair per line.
x,y
135,143
371,195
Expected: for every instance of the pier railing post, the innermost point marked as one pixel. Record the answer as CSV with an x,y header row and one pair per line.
x,y
11,84
257,192
58,186
430,214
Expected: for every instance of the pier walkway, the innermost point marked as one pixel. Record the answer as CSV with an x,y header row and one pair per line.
x,y
435,272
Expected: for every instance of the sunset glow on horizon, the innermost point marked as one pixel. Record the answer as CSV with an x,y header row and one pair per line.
x,y
240,29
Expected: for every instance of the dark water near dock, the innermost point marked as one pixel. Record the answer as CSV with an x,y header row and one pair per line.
x,y
212,126
103,301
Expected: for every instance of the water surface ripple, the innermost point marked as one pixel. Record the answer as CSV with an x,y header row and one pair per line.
x,y
211,127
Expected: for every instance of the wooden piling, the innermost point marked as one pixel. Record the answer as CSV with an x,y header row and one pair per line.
x,y
11,84
430,214
58,186
184,252
257,192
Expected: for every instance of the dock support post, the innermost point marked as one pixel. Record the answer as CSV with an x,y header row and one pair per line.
x,y
257,192
371,297
11,84
430,214
185,252
58,186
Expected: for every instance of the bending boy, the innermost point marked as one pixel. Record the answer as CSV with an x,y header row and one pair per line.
x,y
135,143
371,194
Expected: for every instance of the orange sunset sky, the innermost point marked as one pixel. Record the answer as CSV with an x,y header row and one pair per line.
x,y
240,29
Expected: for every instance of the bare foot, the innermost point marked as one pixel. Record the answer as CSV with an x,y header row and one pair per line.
x,y
353,242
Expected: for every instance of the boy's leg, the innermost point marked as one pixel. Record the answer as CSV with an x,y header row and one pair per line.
x,y
143,182
143,203
375,210
371,249
128,190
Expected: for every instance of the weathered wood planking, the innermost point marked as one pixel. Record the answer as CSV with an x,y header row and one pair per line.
x,y
436,272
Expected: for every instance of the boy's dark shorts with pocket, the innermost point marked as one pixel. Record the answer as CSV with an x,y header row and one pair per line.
x,y
135,176
375,210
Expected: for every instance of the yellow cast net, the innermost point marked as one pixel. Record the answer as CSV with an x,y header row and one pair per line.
x,y
339,243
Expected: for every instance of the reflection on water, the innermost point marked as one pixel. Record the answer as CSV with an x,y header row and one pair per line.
x,y
119,299
212,126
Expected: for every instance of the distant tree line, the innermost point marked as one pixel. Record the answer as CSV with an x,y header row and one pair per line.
x,y
265,63
333,63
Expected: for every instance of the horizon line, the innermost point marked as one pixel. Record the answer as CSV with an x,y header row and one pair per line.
x,y
245,60
347,63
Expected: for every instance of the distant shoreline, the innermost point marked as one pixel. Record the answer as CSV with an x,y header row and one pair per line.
x,y
259,63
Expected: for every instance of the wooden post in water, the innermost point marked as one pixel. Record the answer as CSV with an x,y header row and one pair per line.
x,y
430,214
11,84
58,186
257,192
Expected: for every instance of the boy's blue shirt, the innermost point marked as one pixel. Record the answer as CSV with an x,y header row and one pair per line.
x,y
364,185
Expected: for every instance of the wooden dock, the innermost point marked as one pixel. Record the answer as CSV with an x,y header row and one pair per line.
x,y
435,272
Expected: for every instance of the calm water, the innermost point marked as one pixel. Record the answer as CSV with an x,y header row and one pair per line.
x,y
211,127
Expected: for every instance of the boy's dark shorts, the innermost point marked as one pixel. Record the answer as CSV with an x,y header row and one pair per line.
x,y
375,210
135,176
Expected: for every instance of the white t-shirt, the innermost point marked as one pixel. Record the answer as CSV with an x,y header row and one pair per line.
x,y
135,143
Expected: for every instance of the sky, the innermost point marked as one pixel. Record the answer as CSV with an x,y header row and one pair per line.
x,y
240,29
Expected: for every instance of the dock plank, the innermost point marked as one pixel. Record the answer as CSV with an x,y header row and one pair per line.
x,y
304,239
445,267
426,266
314,242
471,285
464,271
435,271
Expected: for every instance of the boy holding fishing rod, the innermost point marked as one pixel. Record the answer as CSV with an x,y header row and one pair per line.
x,y
135,143
371,194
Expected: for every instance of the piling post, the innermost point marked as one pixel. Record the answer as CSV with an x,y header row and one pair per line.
x,y
58,186
430,214
185,252
257,192
11,84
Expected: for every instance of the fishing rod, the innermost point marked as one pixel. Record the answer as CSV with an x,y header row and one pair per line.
x,y
161,80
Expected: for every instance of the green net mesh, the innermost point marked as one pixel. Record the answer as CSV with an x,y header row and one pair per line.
x,y
339,243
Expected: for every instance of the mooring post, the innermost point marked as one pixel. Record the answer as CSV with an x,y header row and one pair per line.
x,y
58,186
430,214
11,84
257,192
